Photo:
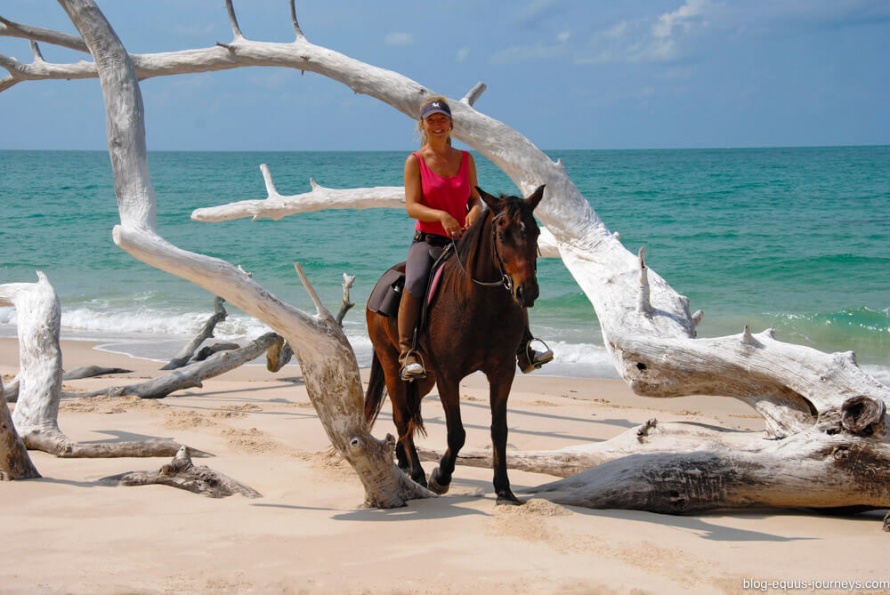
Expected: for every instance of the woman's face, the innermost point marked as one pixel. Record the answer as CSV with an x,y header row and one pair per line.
x,y
437,126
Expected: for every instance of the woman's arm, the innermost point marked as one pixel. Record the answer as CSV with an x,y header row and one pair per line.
x,y
414,199
474,205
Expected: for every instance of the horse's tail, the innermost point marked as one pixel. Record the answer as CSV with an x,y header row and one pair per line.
x,y
375,394
412,401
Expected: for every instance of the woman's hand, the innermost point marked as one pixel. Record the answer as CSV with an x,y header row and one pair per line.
x,y
452,227
473,215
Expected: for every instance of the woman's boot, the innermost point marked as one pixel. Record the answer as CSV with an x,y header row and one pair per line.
x,y
412,363
528,359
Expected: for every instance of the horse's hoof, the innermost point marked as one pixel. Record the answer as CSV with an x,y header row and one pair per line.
x,y
434,485
509,500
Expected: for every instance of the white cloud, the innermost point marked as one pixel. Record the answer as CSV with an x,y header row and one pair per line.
x,y
540,51
463,54
535,11
399,39
658,39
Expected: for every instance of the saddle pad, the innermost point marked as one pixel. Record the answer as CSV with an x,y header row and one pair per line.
x,y
387,293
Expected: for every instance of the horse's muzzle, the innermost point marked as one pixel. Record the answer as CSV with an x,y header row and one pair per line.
x,y
525,294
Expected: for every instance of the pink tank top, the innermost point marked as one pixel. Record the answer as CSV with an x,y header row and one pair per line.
x,y
446,194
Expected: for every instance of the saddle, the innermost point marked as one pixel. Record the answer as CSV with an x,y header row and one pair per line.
x,y
387,293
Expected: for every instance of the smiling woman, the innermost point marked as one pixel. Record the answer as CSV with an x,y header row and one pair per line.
x,y
441,193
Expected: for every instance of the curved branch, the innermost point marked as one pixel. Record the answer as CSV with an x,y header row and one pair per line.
x,y
800,392
604,269
328,364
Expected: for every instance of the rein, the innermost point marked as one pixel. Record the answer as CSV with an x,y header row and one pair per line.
x,y
505,280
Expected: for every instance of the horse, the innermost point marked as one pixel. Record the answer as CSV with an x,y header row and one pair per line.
x,y
476,322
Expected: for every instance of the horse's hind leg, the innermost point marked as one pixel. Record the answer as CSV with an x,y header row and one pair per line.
x,y
406,452
440,478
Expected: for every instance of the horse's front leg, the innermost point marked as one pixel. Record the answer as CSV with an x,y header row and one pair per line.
x,y
499,392
449,394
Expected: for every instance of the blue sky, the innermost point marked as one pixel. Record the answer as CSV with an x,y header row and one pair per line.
x,y
569,74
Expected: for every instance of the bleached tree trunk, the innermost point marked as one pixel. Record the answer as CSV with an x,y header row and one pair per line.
x,y
329,367
40,379
14,460
183,474
647,327
193,375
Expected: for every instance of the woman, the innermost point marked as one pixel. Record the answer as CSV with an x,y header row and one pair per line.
x,y
440,193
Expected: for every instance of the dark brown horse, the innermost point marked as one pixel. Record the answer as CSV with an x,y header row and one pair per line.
x,y
476,322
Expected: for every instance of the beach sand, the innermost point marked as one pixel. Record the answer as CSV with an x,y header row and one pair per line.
x,y
66,533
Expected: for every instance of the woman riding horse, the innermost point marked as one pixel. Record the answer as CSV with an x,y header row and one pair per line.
x,y
440,193
476,322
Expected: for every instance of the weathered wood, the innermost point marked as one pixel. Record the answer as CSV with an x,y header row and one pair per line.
x,y
328,364
11,391
345,303
183,474
15,463
209,350
92,372
685,468
809,400
40,376
58,444
192,375
206,332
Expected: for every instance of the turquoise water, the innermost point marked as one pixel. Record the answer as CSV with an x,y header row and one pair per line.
x,y
794,239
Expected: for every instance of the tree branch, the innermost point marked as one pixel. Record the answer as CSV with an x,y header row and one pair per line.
x,y
329,368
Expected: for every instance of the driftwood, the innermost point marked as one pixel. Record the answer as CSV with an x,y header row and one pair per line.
x,y
15,463
217,359
328,364
11,391
40,421
183,474
804,395
40,363
206,332
192,375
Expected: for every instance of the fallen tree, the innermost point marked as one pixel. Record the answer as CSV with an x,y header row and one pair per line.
x,y
36,414
824,415
182,473
14,460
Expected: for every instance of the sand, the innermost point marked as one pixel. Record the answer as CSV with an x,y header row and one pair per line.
x,y
66,533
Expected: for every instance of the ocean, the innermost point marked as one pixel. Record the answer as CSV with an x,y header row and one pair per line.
x,y
796,239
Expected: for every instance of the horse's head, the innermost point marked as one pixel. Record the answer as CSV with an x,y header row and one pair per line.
x,y
515,240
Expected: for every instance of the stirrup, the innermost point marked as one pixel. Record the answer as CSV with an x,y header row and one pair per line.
x,y
413,370
533,360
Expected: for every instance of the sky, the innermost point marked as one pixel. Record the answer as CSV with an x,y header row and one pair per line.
x,y
568,74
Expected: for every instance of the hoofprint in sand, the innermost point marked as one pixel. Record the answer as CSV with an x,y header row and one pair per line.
x,y
69,533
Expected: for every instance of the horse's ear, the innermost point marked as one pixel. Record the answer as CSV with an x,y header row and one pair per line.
x,y
536,197
493,202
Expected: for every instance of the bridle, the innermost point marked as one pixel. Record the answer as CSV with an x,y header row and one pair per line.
x,y
505,279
